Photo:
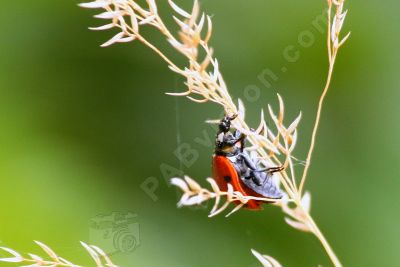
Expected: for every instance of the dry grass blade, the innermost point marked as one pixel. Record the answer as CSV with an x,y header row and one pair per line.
x,y
93,254
105,256
48,250
194,194
96,253
266,261
16,256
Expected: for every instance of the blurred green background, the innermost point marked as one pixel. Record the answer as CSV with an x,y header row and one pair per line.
x,y
83,127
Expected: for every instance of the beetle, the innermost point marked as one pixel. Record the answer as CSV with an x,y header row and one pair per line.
x,y
231,164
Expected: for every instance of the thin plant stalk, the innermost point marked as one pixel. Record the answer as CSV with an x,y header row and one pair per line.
x,y
332,53
317,232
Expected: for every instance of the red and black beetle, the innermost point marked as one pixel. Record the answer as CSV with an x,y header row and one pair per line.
x,y
232,165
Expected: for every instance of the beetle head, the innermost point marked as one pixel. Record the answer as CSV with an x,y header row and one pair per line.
x,y
225,123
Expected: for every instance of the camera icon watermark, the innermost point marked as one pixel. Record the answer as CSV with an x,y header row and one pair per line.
x,y
115,232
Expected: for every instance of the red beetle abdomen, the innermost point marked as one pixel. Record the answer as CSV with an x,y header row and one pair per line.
x,y
224,172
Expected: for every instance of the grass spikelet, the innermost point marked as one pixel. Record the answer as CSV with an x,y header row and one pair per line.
x,y
100,258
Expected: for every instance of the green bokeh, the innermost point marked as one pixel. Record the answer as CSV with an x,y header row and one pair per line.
x,y
82,127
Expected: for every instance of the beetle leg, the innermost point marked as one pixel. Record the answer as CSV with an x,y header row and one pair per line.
x,y
248,162
254,175
241,138
275,169
271,170
239,135
251,165
255,172
255,178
